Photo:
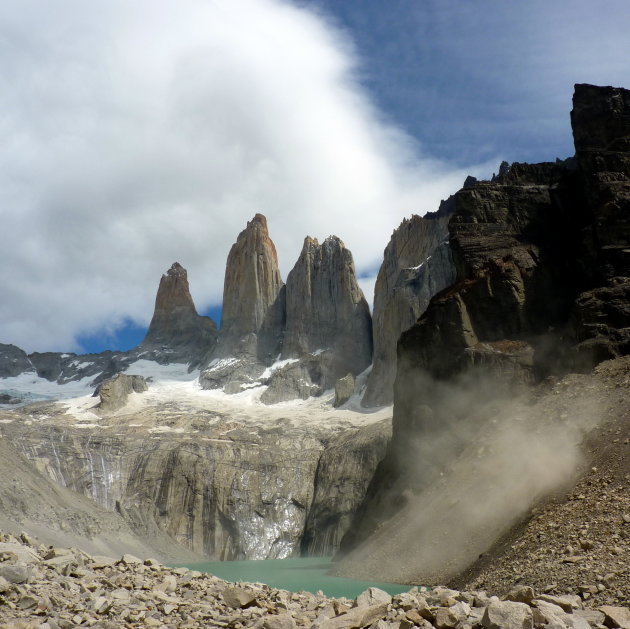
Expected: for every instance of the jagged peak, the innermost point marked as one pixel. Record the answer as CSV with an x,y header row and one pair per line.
x,y
332,241
176,270
259,222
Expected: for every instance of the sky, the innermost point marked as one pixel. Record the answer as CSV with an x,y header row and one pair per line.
x,y
134,135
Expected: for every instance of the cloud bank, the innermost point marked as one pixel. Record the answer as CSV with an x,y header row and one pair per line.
x,y
138,134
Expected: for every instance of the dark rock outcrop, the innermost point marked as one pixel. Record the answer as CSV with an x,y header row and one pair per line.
x,y
13,361
541,257
326,309
417,264
251,288
177,333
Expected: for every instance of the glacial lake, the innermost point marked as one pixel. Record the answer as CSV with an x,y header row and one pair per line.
x,y
303,573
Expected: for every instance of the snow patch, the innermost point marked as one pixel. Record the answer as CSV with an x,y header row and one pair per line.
x,y
279,364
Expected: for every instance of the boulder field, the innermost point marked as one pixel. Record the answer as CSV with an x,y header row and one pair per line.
x,y
49,587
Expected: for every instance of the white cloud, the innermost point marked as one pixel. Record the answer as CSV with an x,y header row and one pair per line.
x,y
137,134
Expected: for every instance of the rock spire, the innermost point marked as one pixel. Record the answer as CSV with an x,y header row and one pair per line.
x,y
251,287
326,309
176,328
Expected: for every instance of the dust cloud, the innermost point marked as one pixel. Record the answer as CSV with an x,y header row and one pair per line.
x,y
477,457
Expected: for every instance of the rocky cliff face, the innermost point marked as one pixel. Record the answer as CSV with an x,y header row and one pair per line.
x,y
252,285
417,264
177,333
601,128
524,247
216,484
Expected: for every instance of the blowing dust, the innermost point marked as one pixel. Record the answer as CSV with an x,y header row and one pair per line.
x,y
476,461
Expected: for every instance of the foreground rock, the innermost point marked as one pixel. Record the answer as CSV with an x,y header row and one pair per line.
x,y
45,587
115,391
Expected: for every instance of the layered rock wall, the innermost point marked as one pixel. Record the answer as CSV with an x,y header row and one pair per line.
x,y
226,492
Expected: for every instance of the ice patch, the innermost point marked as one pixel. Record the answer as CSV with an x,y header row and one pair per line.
x,y
30,388
219,363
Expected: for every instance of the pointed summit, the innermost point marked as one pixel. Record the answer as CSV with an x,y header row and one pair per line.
x,y
252,284
176,329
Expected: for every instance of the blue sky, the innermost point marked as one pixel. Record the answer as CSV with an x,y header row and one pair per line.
x,y
138,135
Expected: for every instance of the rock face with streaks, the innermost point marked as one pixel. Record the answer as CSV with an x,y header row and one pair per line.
x,y
344,473
417,264
177,333
251,288
326,309
215,486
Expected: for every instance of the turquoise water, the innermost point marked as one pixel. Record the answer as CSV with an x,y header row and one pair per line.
x,y
304,573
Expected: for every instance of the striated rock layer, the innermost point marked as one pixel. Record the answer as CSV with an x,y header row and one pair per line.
x,y
215,483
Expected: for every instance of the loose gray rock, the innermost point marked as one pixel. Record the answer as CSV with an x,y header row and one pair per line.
x,y
15,573
508,615
521,594
236,597
282,621
373,596
115,391
344,388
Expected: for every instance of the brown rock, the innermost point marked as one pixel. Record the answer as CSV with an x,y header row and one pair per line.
x,y
616,616
236,597
326,309
176,332
252,286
